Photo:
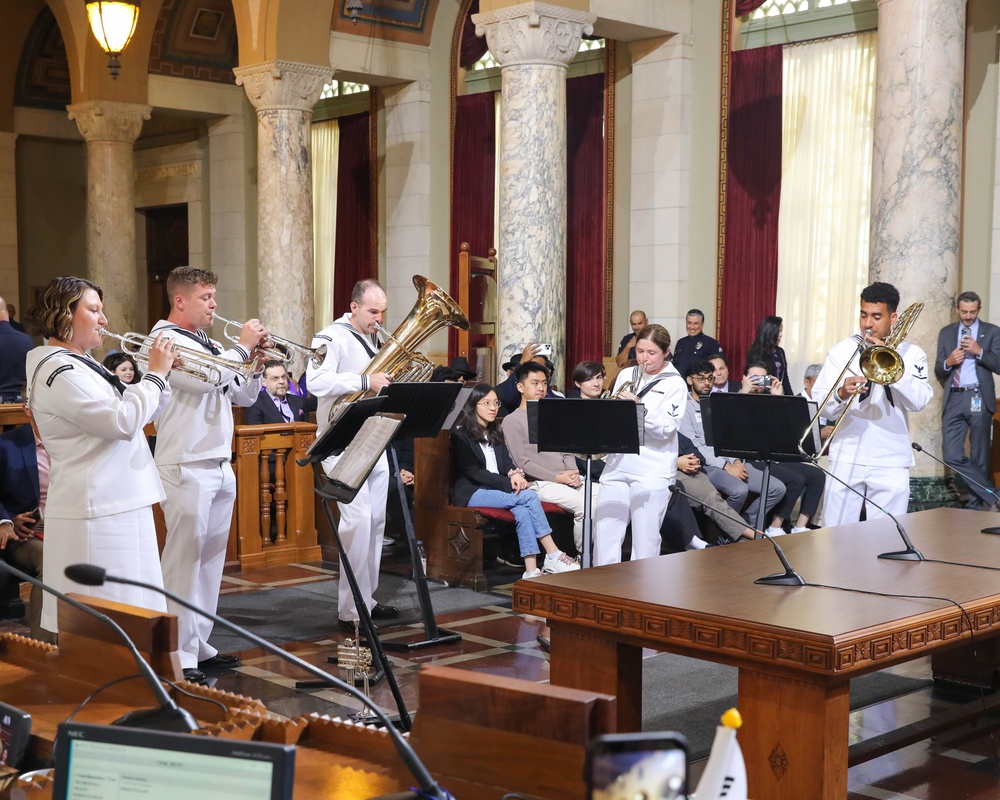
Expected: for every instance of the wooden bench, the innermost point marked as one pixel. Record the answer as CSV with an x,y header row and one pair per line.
x,y
454,536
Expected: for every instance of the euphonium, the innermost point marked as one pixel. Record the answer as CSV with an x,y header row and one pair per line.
x,y
398,357
880,363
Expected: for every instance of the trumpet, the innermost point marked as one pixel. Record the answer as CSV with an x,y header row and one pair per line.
x,y
201,366
282,349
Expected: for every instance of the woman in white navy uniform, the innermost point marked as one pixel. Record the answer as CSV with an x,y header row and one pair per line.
x,y
102,483
637,486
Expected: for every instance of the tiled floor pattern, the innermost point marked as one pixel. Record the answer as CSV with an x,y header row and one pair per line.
x,y
962,763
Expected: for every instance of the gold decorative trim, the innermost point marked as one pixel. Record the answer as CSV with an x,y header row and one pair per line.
x,y
725,79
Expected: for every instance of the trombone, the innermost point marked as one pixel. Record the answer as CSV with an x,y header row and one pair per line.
x,y
201,366
880,363
283,349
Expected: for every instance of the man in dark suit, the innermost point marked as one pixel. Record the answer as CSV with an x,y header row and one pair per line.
x,y
275,405
720,378
14,346
24,479
968,355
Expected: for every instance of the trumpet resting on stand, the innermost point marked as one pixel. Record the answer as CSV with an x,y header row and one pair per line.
x,y
398,357
879,363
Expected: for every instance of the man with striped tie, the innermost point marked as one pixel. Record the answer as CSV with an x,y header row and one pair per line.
x,y
275,405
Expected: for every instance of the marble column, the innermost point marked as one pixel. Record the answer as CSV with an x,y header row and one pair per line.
x,y
8,222
534,43
284,94
917,174
110,129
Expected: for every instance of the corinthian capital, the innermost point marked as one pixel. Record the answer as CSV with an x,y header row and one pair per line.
x,y
283,84
534,33
108,120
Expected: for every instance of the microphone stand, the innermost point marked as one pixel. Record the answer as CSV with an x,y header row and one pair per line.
x,y
910,553
169,716
90,575
996,500
787,578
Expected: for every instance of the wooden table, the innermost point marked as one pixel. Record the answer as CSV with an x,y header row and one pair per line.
x,y
796,647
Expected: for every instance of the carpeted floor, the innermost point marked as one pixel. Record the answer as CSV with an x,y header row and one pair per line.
x,y
308,612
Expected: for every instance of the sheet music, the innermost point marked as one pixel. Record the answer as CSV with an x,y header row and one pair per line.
x,y
353,467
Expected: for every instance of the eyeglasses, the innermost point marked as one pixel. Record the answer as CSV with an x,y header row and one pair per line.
x,y
489,403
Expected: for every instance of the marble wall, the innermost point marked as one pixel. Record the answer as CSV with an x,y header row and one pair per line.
x,y
659,220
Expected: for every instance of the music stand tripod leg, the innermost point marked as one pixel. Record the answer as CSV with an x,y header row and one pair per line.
x,y
385,667
434,635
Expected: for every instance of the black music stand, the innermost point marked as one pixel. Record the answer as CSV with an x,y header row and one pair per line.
x,y
585,428
426,406
756,427
334,441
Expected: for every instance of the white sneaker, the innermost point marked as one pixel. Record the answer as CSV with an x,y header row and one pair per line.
x,y
559,562
774,532
535,573
800,530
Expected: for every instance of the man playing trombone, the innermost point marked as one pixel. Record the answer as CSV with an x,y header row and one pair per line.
x,y
870,448
193,454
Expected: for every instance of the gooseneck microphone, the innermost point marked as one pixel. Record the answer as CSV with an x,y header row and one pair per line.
x,y
169,716
973,481
787,578
91,575
910,553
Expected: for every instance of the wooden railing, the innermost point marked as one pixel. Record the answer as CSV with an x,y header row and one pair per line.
x,y
288,535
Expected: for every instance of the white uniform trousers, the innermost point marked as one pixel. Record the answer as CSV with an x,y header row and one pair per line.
x,y
362,530
888,487
124,544
570,499
644,499
198,512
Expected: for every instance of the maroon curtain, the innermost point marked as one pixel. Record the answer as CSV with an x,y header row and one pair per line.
x,y
585,207
473,186
744,7
471,47
753,186
354,259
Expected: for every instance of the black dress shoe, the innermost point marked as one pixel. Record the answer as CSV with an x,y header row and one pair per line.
x,y
348,625
384,612
219,660
195,676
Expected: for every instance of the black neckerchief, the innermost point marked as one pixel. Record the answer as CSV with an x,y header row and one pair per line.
x,y
203,340
101,370
364,342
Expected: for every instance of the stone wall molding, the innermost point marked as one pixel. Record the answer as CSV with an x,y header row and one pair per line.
x,y
289,85
534,33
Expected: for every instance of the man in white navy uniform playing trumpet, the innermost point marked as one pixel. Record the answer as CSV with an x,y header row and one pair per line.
x,y
351,343
193,454
871,450
968,355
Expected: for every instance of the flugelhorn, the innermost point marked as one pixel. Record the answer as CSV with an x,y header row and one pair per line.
x,y
282,349
195,363
880,363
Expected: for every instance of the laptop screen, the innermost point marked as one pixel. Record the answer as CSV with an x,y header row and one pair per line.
x,y
94,762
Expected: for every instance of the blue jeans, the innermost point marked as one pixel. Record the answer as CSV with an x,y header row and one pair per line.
x,y
529,519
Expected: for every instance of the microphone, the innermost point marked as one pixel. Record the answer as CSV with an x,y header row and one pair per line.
x,y
987,489
910,553
787,578
169,716
91,575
